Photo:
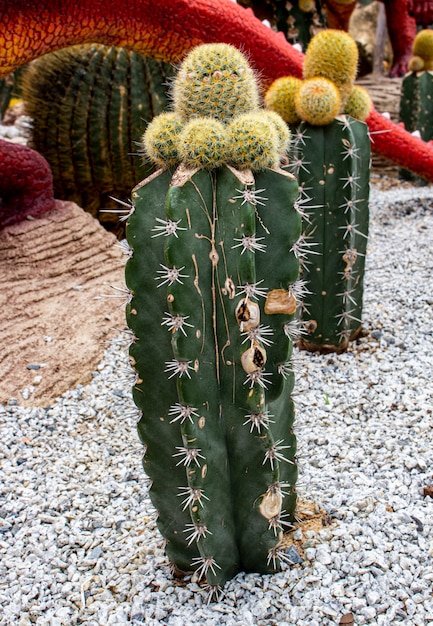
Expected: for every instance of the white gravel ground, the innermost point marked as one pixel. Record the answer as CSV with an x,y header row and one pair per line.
x,y
78,541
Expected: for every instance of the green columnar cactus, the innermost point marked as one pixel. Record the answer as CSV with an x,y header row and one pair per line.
x,y
333,168
211,278
112,91
416,105
416,112
331,159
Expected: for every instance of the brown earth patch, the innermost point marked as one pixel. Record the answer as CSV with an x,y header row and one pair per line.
x,y
53,326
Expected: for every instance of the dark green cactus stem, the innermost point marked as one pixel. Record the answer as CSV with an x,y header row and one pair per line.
x,y
416,111
210,307
6,89
332,164
154,392
113,92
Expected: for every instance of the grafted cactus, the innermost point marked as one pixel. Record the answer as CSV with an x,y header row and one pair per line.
x,y
212,300
331,159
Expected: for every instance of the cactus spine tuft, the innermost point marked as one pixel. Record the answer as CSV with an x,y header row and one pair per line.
x,y
423,48
203,143
254,141
160,139
359,104
318,101
215,80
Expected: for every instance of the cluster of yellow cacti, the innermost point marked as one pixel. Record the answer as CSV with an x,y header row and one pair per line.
x,y
422,50
216,116
328,89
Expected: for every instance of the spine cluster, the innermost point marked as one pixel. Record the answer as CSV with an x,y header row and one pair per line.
x,y
216,116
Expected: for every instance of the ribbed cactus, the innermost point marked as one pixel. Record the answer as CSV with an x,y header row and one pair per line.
x,y
332,163
211,278
331,159
90,105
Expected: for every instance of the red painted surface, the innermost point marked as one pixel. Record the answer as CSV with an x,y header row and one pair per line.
x,y
167,30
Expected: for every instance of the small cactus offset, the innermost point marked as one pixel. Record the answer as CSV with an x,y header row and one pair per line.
x,y
331,160
212,279
416,102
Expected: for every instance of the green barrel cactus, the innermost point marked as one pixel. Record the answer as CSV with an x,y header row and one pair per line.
x,y
332,164
112,91
212,276
331,160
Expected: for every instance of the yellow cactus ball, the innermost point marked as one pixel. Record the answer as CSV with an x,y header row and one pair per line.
x,y
280,98
359,104
253,142
215,80
416,64
159,140
332,54
307,5
203,143
283,131
318,101
423,45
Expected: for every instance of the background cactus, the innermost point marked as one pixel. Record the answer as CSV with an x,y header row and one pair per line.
x,y
422,48
10,91
298,20
416,105
110,90
333,54
211,302
331,159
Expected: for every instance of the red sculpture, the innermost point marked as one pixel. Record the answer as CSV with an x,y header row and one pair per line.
x,y
167,31
401,20
26,184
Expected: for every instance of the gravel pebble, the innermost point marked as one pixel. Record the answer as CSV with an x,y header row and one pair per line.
x,y
78,540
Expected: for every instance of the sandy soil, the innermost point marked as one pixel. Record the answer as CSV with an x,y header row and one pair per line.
x,y
53,325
